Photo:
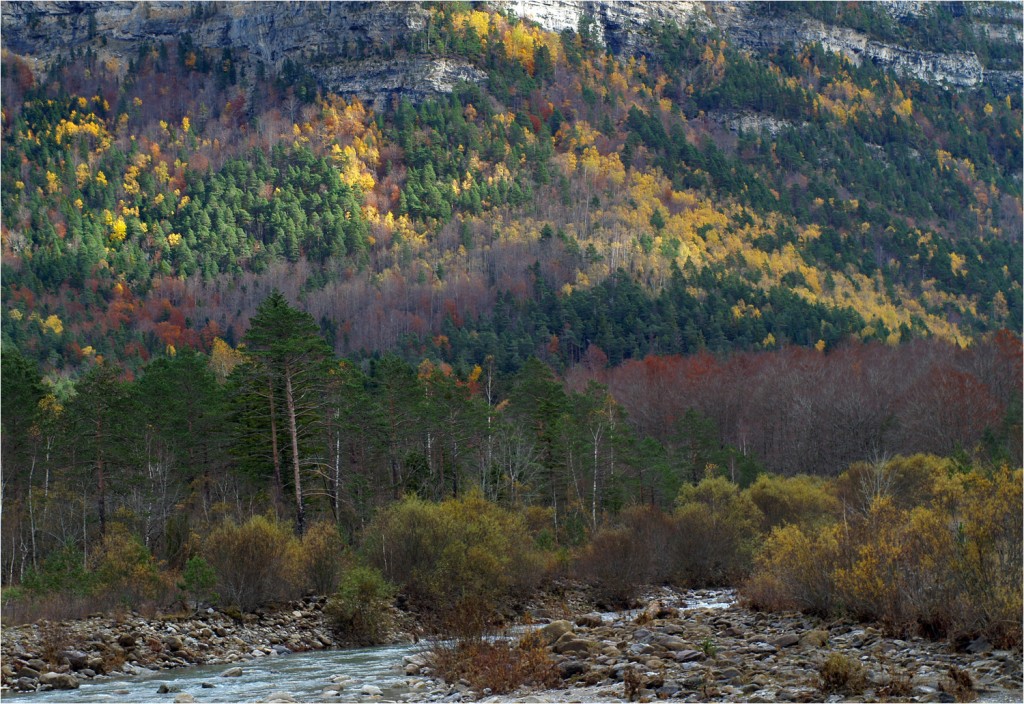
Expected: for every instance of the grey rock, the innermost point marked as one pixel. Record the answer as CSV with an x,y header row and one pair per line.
x,y
786,640
572,668
591,620
76,659
59,680
165,688
232,672
555,630
185,698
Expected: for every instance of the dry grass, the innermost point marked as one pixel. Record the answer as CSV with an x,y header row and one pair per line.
x,y
499,666
960,684
841,674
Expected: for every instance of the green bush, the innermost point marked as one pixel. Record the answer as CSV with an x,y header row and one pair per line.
x,y
360,610
462,555
322,557
716,529
198,579
255,562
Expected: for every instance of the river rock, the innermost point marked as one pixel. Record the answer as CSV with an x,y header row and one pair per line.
x,y
185,698
26,684
689,656
571,645
555,630
76,659
232,672
165,688
370,690
786,640
279,697
572,668
591,620
58,680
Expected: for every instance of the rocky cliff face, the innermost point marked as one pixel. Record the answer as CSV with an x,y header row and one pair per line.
x,y
324,36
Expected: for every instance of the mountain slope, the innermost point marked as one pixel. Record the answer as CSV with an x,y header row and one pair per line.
x,y
727,183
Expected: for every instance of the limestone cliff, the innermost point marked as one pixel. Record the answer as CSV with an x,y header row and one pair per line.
x,y
350,46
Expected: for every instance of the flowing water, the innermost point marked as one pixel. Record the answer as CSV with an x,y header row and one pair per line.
x,y
303,676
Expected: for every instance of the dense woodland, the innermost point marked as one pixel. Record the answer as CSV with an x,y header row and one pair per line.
x,y
573,302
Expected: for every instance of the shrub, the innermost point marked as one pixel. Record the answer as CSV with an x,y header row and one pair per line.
x,y
908,481
799,500
124,567
360,610
322,557
716,528
454,555
794,570
950,568
255,562
198,580
618,561
844,675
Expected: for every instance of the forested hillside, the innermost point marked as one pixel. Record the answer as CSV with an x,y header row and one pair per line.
x,y
589,281
708,198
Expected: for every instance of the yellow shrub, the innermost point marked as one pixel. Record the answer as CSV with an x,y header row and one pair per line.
x,y
794,570
256,562
800,500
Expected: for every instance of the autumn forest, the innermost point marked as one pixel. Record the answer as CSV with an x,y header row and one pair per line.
x,y
589,302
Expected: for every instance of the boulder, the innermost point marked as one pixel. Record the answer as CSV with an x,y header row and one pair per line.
x,y
58,680
370,690
76,659
571,645
786,640
555,630
572,668
591,620
232,672
185,698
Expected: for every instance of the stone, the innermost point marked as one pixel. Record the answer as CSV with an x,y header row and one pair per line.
x,y
786,640
76,659
555,630
207,685
672,643
126,640
571,645
370,690
26,684
280,697
689,656
59,680
184,698
979,645
232,672
728,674
572,668
591,620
